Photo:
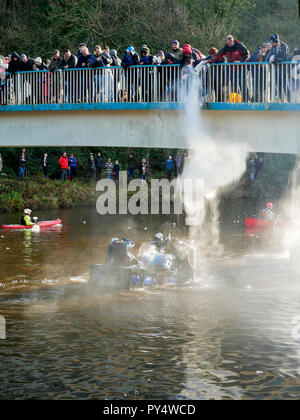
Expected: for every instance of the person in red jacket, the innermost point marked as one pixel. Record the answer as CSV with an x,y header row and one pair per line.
x,y
235,52
64,166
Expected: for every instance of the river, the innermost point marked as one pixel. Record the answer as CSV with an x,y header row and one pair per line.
x,y
228,336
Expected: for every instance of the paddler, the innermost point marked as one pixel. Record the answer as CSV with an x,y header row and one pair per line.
x,y
117,253
26,218
267,213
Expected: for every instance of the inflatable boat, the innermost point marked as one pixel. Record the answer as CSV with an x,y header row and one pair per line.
x,y
41,225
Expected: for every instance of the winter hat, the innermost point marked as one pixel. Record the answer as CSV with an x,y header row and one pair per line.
x,y
274,38
23,56
130,49
175,43
161,53
113,53
38,60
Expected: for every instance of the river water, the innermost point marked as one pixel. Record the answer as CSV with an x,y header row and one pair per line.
x,y
228,336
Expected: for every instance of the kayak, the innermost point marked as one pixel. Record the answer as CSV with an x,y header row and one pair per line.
x,y
42,225
251,222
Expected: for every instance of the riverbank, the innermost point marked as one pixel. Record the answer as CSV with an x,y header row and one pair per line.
x,y
44,194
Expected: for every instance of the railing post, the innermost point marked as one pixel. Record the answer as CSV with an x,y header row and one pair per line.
x,y
272,82
155,84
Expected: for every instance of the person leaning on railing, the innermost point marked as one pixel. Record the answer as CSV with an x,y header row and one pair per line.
x,y
294,76
146,59
68,62
278,53
85,93
235,52
259,73
130,58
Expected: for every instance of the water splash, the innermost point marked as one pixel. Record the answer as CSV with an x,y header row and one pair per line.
x,y
215,160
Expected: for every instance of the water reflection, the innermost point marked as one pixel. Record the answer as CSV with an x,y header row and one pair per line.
x,y
229,336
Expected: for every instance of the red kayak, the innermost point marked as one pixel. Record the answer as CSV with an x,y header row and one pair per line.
x,y
40,224
251,222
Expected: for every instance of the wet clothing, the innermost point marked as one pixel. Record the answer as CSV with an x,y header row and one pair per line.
x,y
117,254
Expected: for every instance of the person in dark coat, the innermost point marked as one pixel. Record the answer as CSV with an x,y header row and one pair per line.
x,y
259,73
278,53
85,82
68,62
145,74
26,63
45,164
99,166
130,59
131,166
11,80
91,167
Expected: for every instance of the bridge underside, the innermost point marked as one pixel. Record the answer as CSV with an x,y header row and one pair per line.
x,y
261,131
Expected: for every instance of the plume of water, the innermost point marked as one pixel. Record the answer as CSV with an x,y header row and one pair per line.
x,y
216,161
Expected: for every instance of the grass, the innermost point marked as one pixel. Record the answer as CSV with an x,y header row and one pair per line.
x,y
43,194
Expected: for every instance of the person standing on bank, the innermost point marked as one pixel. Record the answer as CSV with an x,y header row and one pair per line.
x,y
45,164
73,166
169,166
64,166
22,165
91,167
1,164
131,166
99,165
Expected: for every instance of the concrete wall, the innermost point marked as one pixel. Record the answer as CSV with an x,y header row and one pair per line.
x,y
262,131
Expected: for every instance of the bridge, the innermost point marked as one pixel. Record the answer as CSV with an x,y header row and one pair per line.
x,y
254,104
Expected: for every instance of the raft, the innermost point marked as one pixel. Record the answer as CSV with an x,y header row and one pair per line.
x,y
42,225
110,278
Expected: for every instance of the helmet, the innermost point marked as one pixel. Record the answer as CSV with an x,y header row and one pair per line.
x,y
159,236
114,240
27,211
187,49
269,205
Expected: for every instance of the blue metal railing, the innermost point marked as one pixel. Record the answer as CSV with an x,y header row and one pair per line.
x,y
225,82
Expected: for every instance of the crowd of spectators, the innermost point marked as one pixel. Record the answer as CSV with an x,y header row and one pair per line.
x,y
235,52
97,167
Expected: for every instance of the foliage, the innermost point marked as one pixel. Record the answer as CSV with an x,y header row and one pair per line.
x,y
49,24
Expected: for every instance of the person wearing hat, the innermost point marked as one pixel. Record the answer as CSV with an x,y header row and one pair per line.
x,y
56,60
26,63
39,65
131,58
267,213
26,219
259,75
278,53
176,51
146,59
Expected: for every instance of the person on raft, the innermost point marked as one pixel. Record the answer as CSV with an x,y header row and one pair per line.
x,y
26,219
158,242
267,213
118,253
